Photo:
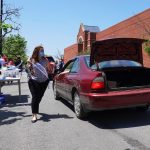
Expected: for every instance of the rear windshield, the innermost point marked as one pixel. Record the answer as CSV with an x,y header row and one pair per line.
x,y
113,63
119,63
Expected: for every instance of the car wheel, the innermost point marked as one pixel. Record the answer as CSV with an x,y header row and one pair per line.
x,y
56,95
143,108
78,108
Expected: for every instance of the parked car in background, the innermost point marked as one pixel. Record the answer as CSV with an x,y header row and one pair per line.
x,y
52,66
112,77
50,58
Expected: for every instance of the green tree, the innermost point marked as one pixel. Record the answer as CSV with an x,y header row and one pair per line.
x,y
147,46
8,22
146,35
15,45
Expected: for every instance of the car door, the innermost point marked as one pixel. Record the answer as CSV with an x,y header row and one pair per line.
x,y
72,78
61,79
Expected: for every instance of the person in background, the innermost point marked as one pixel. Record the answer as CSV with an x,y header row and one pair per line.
x,y
19,63
38,78
56,67
5,58
10,62
61,64
2,61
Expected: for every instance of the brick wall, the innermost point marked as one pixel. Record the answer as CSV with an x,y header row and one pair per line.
x,y
131,27
84,38
91,38
135,27
70,52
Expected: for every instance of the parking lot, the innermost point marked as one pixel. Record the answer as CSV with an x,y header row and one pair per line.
x,y
58,128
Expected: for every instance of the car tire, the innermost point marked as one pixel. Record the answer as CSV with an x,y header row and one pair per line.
x,y
56,95
78,108
143,108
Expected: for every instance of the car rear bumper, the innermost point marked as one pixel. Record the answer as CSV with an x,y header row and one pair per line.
x,y
115,99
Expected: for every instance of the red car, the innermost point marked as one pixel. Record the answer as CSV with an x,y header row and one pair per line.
x,y
52,66
112,77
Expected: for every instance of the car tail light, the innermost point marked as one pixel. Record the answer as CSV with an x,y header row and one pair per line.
x,y
98,83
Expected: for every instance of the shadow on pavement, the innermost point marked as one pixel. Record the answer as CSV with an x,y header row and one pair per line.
x,y
69,105
123,118
13,101
47,117
7,115
115,119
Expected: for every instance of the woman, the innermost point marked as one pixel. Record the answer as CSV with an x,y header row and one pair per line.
x,y
38,79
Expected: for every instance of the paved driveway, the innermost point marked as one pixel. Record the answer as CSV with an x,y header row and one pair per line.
x,y
59,129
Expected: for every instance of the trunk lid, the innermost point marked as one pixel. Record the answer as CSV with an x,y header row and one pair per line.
x,y
117,49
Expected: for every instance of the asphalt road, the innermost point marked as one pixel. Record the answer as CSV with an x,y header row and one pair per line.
x,y
58,128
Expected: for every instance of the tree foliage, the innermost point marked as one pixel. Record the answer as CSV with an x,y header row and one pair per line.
x,y
14,46
146,28
9,22
59,55
147,46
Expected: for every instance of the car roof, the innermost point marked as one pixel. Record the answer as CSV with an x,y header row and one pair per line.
x,y
50,58
80,56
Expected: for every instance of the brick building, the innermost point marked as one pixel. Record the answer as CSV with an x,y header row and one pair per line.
x,y
137,26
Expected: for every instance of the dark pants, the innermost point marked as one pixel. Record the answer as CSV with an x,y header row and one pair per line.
x,y
37,90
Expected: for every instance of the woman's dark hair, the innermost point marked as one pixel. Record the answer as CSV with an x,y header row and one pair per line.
x,y
35,54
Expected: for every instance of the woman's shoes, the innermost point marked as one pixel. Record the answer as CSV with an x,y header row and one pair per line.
x,y
33,121
34,118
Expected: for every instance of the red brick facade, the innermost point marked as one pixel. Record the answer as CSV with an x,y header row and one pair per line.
x,y
137,26
133,27
84,41
70,52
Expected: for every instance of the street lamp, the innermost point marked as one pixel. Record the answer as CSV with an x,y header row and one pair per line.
x,y
1,32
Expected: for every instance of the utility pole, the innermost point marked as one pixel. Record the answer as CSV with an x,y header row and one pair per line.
x,y
1,30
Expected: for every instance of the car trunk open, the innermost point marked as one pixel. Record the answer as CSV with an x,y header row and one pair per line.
x,y
127,78
117,49
121,49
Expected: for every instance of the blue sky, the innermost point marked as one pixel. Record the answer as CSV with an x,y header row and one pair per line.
x,y
55,23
